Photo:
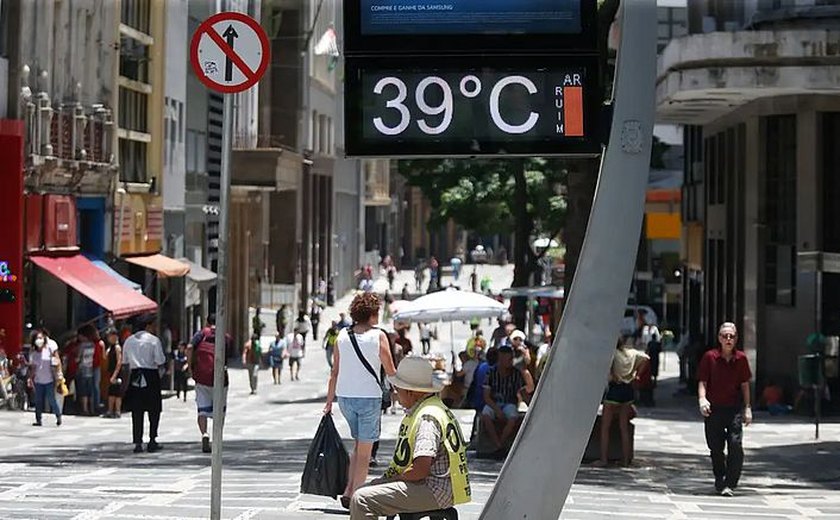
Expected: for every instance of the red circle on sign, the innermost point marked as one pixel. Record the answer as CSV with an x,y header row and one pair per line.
x,y
253,76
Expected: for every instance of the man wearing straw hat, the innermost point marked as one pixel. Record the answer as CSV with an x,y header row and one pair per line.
x,y
429,467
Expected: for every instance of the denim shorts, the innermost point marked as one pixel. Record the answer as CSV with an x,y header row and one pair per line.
x,y
363,416
84,386
509,410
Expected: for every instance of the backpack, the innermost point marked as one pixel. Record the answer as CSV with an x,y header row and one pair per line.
x,y
204,357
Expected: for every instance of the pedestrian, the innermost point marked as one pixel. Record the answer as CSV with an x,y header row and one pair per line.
x,y
425,337
723,392
143,353
86,389
343,321
419,276
251,357
302,326
45,372
114,355
405,292
330,340
294,349
276,355
455,262
256,322
201,352
180,366
618,401
363,352
474,279
403,341
315,318
392,276
428,470
434,274
501,332
281,319
650,341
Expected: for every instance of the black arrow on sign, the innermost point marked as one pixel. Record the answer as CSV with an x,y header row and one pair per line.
x,y
230,34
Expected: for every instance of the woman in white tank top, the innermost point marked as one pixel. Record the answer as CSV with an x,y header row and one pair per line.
x,y
357,388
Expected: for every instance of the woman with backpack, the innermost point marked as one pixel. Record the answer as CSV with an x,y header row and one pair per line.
x,y
363,352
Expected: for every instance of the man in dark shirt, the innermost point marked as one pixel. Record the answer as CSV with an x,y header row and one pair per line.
x,y
500,396
723,388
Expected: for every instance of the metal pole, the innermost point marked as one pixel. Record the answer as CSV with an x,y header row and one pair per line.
x,y
584,346
221,315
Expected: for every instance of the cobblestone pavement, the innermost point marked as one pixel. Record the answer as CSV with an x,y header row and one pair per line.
x,y
85,468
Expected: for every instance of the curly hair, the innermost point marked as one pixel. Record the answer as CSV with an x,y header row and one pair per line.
x,y
363,307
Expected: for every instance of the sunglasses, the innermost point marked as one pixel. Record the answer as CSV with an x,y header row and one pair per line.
x,y
727,336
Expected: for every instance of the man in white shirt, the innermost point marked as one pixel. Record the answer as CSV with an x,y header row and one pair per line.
x,y
143,353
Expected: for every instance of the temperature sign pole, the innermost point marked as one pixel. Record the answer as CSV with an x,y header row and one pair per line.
x,y
229,54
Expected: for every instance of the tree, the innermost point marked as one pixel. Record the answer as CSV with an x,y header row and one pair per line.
x,y
519,196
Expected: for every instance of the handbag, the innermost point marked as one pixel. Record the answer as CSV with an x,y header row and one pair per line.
x,y
380,379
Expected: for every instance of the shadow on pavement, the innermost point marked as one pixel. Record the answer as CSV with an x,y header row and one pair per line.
x,y
326,511
306,400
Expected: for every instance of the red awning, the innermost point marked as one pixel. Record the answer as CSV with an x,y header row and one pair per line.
x,y
82,275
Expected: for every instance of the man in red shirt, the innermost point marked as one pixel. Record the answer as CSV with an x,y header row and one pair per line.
x,y
723,389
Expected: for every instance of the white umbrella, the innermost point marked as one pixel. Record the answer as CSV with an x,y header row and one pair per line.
x,y
450,305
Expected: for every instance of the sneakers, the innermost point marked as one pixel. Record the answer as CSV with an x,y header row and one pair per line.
x,y
205,445
37,423
58,421
138,448
719,485
373,463
727,492
153,446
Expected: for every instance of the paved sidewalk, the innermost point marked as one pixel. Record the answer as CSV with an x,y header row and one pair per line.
x,y
85,468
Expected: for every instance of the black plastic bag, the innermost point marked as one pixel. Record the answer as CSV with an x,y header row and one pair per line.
x,y
327,462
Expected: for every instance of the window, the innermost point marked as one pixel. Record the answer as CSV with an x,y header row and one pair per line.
x,y
136,14
315,132
196,151
710,161
323,140
133,155
133,110
780,210
831,181
191,140
134,60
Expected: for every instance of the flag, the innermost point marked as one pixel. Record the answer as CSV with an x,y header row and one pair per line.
x,y
328,44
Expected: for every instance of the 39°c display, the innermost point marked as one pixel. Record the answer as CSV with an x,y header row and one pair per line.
x,y
471,111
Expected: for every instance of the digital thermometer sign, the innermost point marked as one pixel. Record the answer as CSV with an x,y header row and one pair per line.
x,y
461,107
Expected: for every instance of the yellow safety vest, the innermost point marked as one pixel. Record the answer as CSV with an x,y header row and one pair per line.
x,y
453,442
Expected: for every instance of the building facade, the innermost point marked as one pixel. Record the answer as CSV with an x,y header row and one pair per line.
x,y
757,85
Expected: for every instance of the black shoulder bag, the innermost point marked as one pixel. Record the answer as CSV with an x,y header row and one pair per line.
x,y
380,379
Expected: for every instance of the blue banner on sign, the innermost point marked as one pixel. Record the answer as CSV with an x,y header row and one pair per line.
x,y
470,17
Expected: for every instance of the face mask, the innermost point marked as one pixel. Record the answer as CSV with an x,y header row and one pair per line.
x,y
39,342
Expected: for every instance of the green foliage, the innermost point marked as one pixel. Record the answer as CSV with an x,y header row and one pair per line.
x,y
479,195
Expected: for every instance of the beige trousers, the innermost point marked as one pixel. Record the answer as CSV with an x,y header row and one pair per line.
x,y
375,500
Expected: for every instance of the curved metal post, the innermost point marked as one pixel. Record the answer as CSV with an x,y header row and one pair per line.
x,y
541,467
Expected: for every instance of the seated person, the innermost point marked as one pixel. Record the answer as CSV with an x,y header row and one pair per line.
x,y
773,398
429,470
503,383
